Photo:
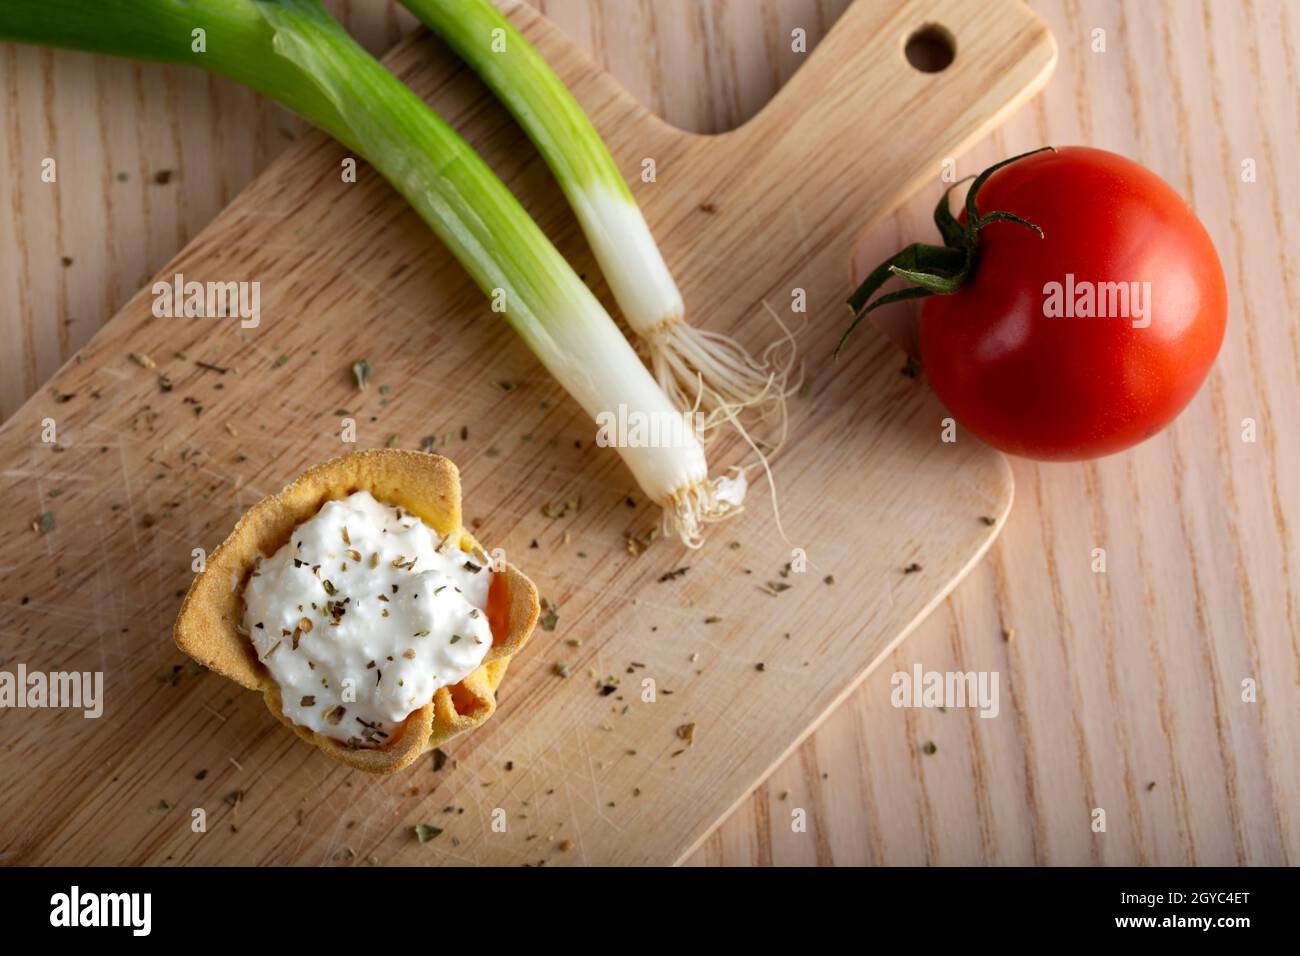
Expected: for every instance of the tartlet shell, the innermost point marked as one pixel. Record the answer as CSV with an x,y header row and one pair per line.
x,y
428,486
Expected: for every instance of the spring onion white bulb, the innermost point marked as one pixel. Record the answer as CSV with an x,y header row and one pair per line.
x,y
294,52
701,370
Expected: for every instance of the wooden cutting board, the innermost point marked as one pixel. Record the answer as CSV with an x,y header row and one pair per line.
x,y
167,429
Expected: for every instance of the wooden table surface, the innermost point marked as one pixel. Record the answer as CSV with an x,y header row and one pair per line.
x,y
1164,690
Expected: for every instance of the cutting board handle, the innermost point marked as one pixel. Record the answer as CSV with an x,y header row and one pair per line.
x,y
863,79
854,132
826,132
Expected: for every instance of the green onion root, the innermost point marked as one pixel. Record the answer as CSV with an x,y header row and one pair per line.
x,y
710,372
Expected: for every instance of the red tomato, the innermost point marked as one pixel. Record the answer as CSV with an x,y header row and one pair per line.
x,y
1010,355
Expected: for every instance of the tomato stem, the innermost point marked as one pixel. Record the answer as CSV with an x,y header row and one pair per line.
x,y
936,270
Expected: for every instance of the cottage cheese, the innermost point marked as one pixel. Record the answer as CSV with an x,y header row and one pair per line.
x,y
363,615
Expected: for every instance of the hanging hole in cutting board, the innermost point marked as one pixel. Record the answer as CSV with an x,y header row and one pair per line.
x,y
931,48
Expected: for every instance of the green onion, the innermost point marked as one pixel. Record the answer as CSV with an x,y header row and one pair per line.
x,y
698,369
292,51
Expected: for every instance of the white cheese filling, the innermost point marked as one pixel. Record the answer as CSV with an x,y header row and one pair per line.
x,y
360,618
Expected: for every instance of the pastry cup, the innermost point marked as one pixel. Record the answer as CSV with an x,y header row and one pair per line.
x,y
208,626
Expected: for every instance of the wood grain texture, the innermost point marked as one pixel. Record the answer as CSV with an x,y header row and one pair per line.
x,y
169,428
1112,683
